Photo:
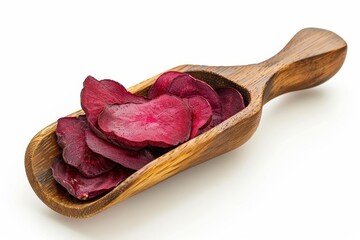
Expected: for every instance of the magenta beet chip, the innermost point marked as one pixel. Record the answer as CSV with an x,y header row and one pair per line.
x,y
201,113
95,95
71,137
186,86
161,122
86,188
127,158
231,100
162,84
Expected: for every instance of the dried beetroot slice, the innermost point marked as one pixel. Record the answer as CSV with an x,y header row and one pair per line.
x,y
127,158
71,137
201,113
231,100
162,84
162,122
86,188
95,95
186,86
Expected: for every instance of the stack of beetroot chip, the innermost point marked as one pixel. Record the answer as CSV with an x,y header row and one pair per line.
x,y
121,132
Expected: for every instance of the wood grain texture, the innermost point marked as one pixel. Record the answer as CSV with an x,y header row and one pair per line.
x,y
310,58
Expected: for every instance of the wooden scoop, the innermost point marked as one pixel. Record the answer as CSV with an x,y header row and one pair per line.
x,y
310,58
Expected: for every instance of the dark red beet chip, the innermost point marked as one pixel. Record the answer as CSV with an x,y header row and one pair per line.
x,y
186,86
162,122
86,188
71,137
95,95
127,158
162,84
231,100
201,113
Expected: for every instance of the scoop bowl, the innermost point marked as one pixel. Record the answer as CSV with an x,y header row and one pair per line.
x,y
310,58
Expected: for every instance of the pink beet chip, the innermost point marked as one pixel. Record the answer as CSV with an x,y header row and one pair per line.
x,y
201,113
127,158
163,82
71,137
86,188
186,86
231,100
162,122
95,95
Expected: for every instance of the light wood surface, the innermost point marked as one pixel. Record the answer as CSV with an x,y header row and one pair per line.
x,y
310,58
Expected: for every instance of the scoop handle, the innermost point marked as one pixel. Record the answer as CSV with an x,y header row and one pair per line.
x,y
310,58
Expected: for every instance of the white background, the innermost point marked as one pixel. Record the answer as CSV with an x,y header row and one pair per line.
x,y
298,177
